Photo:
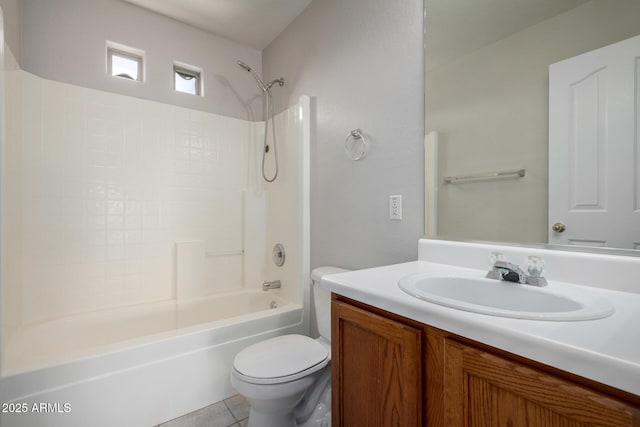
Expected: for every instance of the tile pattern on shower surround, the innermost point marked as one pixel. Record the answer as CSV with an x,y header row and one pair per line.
x,y
108,184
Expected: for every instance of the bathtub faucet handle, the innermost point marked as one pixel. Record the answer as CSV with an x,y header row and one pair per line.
x,y
271,285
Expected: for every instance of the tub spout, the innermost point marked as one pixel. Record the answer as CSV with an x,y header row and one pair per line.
x,y
271,285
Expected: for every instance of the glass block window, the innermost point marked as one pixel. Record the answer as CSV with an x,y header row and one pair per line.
x,y
124,64
187,80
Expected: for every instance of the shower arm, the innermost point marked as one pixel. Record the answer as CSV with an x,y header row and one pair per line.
x,y
267,87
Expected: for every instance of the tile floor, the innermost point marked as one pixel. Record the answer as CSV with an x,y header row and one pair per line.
x,y
232,412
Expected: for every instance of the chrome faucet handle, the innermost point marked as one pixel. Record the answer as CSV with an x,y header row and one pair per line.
x,y
494,273
535,270
535,266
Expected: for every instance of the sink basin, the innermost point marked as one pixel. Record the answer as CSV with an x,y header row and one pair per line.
x,y
506,299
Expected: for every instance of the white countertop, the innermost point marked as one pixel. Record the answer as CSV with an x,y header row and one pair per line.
x,y
605,350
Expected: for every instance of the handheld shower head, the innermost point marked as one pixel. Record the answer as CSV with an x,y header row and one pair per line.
x,y
255,76
269,104
245,66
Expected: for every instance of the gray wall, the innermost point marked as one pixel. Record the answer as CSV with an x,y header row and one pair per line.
x,y
64,40
363,60
11,12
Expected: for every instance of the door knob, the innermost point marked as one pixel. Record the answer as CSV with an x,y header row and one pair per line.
x,y
558,227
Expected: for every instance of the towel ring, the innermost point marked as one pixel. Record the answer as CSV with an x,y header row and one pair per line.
x,y
355,146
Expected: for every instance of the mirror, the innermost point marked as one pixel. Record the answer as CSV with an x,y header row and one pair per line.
x,y
487,108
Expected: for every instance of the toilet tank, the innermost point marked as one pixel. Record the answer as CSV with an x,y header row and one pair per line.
x,y
322,300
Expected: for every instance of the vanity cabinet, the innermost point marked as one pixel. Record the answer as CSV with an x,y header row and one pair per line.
x,y
484,389
376,369
392,371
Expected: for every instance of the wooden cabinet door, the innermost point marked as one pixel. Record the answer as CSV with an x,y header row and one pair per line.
x,y
376,370
482,389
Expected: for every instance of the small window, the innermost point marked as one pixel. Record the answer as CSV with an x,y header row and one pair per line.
x,y
187,80
124,62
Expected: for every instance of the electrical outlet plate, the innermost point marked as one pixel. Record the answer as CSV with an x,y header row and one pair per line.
x,y
395,207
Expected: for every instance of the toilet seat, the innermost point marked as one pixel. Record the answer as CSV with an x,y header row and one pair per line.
x,y
279,360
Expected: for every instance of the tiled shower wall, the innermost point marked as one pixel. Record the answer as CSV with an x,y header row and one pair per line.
x,y
102,186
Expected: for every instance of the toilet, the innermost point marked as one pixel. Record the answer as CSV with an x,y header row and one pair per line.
x,y
287,379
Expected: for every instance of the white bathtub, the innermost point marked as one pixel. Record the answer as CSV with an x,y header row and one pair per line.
x,y
135,366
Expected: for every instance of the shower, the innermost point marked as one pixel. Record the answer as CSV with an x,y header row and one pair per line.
x,y
267,89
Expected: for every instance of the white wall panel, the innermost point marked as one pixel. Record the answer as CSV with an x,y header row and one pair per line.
x,y
104,186
108,185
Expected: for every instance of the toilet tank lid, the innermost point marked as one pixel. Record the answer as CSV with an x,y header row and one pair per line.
x,y
318,272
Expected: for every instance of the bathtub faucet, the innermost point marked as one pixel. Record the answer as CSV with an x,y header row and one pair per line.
x,y
271,285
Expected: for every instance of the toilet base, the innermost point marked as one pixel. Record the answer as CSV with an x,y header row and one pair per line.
x,y
321,415
262,419
305,402
312,410
272,405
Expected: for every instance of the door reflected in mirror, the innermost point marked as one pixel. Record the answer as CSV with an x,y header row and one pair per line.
x,y
487,105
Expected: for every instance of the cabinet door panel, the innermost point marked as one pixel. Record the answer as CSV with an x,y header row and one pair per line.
x,y
376,368
483,389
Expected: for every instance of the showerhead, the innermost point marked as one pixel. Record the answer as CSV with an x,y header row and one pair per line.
x,y
245,66
265,88
255,76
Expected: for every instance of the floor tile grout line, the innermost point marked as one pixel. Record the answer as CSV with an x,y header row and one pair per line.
x,y
232,414
238,421
238,404
229,409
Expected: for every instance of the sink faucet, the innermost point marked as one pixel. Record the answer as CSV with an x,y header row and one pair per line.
x,y
505,270
271,285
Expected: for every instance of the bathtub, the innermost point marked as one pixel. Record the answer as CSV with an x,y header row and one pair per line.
x,y
135,366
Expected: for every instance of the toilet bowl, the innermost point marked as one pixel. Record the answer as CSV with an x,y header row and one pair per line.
x,y
286,379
